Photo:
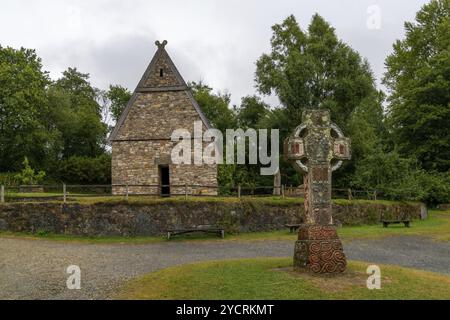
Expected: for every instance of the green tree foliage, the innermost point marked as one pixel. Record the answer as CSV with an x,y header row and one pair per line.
x,y
252,112
230,176
118,98
23,106
313,68
418,76
436,186
85,170
277,118
42,120
216,107
9,179
222,116
400,178
76,114
367,130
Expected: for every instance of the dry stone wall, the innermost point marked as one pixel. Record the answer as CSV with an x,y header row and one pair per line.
x,y
122,219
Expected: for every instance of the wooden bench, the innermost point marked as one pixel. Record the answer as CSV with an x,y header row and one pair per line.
x,y
205,229
386,223
292,227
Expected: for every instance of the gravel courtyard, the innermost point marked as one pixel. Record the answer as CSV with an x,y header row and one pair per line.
x,y
36,269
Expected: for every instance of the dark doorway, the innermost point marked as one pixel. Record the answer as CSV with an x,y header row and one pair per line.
x,y
164,180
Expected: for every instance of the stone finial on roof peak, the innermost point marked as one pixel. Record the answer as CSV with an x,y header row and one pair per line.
x,y
161,45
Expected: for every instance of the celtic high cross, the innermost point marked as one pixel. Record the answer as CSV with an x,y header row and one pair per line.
x,y
316,148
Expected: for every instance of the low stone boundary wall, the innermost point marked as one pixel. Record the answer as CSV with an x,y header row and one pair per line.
x,y
147,219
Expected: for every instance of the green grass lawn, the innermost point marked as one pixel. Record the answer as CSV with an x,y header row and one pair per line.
x,y
43,195
436,227
89,199
273,278
33,194
181,199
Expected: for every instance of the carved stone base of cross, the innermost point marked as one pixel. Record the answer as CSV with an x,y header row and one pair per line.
x,y
319,250
312,148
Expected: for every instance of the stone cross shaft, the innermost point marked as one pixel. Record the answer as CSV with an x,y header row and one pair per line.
x,y
317,148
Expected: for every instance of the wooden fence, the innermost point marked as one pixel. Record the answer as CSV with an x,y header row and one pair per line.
x,y
63,192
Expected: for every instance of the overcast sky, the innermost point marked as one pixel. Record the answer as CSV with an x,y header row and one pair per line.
x,y
216,41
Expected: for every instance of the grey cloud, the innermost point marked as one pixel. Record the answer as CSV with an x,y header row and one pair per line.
x,y
216,41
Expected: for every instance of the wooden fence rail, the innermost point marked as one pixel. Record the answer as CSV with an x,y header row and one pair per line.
x,y
65,191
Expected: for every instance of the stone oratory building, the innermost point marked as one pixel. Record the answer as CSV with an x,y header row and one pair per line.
x,y
141,141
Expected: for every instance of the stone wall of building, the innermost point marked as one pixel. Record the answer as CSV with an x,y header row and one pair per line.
x,y
155,115
152,218
143,143
167,80
135,163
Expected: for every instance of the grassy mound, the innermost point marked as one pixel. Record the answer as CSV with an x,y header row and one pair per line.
x,y
274,279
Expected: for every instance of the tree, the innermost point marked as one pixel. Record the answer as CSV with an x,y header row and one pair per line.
x,y
418,77
75,112
23,106
216,107
314,69
118,98
311,69
251,112
368,137
81,91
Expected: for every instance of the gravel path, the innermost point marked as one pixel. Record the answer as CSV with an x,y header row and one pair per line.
x,y
31,269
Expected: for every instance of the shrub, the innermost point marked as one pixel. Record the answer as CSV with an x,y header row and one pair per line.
x,y
9,179
84,170
401,179
28,175
436,187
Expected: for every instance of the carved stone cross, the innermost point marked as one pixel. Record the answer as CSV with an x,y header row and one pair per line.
x,y
316,148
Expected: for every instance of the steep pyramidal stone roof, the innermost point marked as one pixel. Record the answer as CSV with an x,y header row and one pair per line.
x,y
152,81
